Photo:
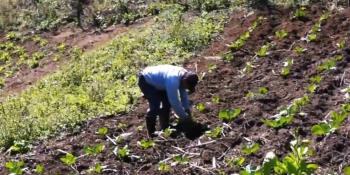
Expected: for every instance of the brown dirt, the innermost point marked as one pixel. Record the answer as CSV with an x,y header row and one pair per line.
x,y
227,82
85,40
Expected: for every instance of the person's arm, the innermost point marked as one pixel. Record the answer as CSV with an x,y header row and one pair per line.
x,y
172,90
184,99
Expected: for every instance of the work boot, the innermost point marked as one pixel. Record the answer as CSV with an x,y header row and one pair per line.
x,y
151,126
191,129
164,119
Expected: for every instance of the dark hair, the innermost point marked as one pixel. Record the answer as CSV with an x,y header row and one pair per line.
x,y
192,79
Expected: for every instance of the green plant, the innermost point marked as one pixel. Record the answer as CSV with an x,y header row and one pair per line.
x,y
69,159
94,150
102,131
227,56
145,144
263,51
13,36
248,67
346,170
312,37
235,161
211,67
164,168
122,153
229,115
215,133
167,132
15,167
61,47
341,44
251,148
181,159
215,99
96,169
285,71
316,79
328,127
19,147
263,90
39,169
280,34
312,88
300,13
201,107
299,50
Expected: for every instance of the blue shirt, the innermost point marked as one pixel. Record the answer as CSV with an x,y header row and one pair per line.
x,y
168,78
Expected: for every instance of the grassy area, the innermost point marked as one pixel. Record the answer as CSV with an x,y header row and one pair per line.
x,y
104,82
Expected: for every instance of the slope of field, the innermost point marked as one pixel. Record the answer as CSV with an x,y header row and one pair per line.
x,y
250,81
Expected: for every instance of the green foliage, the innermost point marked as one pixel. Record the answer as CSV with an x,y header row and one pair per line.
x,y
94,150
251,148
341,44
97,169
211,67
300,13
69,159
279,122
346,170
316,79
167,132
327,127
181,159
15,167
145,144
122,153
215,99
215,133
263,90
39,169
281,34
229,115
164,168
312,37
312,88
329,64
12,36
19,147
235,161
263,51
201,107
102,131
285,71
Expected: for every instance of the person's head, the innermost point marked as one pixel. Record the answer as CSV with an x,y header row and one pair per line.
x,y
189,81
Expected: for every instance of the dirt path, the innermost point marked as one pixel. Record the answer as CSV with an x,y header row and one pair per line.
x,y
87,41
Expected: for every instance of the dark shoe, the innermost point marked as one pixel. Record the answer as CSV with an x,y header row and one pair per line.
x,y
191,129
164,120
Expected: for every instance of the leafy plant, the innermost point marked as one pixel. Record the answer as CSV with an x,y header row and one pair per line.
x,y
15,167
312,88
102,131
145,144
94,150
181,159
12,36
312,37
328,127
300,13
235,161
279,122
211,67
39,169
263,51
96,169
229,115
316,79
346,170
299,50
122,153
167,132
248,67
215,133
164,168
19,147
341,44
215,99
285,71
251,148
69,159
201,107
280,34
61,47
263,90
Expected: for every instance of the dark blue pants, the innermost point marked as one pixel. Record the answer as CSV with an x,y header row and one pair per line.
x,y
158,105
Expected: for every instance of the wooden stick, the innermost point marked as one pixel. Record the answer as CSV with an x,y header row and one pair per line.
x,y
206,143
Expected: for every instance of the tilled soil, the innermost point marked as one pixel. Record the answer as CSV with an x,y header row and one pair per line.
x,y
230,84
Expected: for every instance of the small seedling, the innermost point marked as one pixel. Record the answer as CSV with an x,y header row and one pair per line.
x,y
97,169
211,67
248,67
69,159
341,44
311,37
19,147
39,169
164,168
300,13
15,167
215,133
346,170
251,148
201,107
312,88
280,34
102,131
94,150
122,153
167,132
316,79
235,161
263,90
181,159
299,50
145,144
263,51
229,115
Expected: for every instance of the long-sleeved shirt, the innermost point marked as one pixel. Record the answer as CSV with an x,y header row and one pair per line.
x,y
168,78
